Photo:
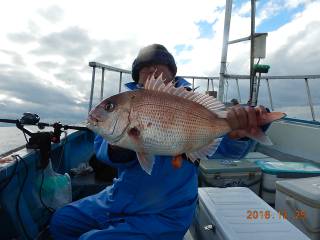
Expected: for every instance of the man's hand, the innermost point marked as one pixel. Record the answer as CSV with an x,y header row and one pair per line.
x,y
244,119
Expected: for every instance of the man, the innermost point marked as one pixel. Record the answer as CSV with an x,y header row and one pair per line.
x,y
138,205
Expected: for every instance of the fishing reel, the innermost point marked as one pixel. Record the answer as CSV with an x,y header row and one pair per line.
x,y
30,118
41,140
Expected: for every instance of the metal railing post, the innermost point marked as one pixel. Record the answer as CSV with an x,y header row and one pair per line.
x,y
193,84
120,82
239,97
92,87
269,93
258,87
224,53
102,85
309,99
212,84
253,95
252,73
226,92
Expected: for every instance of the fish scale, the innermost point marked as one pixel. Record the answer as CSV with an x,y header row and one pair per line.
x,y
172,121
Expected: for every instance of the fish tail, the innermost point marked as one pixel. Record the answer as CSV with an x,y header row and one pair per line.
x,y
269,117
256,133
265,118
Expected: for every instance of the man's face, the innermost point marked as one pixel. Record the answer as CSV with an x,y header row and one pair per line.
x,y
157,69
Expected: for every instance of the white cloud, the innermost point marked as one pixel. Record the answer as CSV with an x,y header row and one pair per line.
x,y
54,40
269,10
296,3
6,98
245,8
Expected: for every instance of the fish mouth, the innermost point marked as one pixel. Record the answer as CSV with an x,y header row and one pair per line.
x,y
93,124
93,120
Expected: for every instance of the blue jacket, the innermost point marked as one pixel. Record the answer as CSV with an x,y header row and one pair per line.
x,y
167,192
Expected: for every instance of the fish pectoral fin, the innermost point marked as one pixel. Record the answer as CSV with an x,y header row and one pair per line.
x,y
205,151
146,161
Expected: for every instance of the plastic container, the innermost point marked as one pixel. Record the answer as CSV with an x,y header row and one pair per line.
x,y
300,199
229,214
277,171
56,190
256,156
227,173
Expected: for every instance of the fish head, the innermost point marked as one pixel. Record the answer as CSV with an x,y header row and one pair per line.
x,y
110,118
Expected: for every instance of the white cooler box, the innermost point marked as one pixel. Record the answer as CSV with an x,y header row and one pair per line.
x,y
300,200
276,171
229,214
229,173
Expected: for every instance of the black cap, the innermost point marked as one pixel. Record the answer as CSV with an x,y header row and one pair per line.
x,y
152,54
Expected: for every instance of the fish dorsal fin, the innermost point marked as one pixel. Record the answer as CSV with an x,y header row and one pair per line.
x,y
205,151
212,104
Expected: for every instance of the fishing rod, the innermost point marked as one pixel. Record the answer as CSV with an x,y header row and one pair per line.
x,y
34,119
41,140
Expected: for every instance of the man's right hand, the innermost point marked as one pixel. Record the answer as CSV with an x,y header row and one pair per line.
x,y
244,119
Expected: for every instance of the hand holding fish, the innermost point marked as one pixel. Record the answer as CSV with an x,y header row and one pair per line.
x,y
244,119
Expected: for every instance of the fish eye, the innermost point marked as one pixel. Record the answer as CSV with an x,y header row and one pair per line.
x,y
109,107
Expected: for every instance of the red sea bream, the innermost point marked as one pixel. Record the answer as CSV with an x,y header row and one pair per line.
x,y
160,119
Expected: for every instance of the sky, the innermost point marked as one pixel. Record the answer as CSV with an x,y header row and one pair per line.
x,y
45,48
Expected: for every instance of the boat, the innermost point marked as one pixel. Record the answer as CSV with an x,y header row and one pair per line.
x,y
237,198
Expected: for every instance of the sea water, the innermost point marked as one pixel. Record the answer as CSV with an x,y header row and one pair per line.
x,y
10,138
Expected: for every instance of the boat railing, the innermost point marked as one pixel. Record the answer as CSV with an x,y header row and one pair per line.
x,y
210,80
103,67
267,79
